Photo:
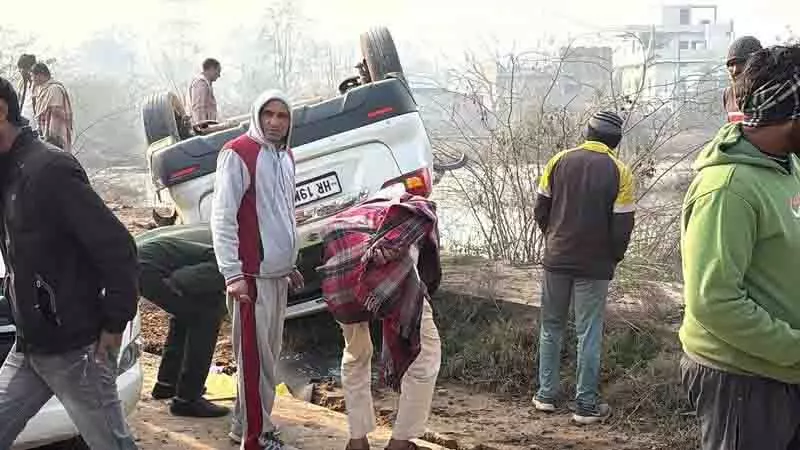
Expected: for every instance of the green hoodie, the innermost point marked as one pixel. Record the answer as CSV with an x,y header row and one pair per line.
x,y
741,251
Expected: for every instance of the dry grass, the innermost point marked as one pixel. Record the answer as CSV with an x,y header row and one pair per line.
x,y
493,347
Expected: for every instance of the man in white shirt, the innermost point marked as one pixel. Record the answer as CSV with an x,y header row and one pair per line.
x,y
202,103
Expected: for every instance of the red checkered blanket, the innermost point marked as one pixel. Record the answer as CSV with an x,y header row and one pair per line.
x,y
357,289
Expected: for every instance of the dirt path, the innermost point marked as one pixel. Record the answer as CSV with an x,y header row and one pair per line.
x,y
460,418
303,425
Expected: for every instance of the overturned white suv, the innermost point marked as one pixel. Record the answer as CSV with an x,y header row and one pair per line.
x,y
346,149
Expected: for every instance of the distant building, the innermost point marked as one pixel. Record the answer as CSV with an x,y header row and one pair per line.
x,y
575,78
446,112
683,57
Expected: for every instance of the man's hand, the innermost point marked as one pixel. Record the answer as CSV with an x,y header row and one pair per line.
x,y
296,280
382,256
107,348
240,291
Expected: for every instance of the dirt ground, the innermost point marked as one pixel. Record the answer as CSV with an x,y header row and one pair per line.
x,y
460,417
302,425
460,420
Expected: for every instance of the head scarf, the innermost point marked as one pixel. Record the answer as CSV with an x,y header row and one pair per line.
x,y
254,131
774,102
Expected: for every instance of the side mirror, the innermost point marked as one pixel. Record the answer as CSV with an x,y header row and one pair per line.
x,y
458,164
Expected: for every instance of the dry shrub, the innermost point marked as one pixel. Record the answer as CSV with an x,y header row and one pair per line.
x,y
493,347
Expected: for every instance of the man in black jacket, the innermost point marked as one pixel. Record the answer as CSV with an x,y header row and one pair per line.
x,y
180,276
72,286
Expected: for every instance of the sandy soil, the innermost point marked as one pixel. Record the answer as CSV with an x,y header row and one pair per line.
x,y
460,419
302,425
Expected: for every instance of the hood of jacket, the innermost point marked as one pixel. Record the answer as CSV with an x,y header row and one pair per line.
x,y
731,147
254,131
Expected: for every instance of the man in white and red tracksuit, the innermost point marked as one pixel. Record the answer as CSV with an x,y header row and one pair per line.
x,y
255,241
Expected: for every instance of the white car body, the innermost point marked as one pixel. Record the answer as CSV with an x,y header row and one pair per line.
x,y
365,157
52,424
346,167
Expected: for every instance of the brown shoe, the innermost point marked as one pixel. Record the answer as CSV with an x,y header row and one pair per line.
x,y
358,444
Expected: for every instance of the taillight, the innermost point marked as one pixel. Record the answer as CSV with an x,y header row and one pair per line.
x,y
182,173
374,114
418,182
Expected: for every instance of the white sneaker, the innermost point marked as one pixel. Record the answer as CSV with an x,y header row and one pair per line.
x,y
588,417
543,406
236,438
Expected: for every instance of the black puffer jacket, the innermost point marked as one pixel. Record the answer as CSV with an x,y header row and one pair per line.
x,y
72,268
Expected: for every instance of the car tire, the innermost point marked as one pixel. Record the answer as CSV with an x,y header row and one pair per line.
x,y
162,115
380,53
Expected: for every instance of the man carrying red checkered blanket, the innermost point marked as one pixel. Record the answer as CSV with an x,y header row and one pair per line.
x,y
382,263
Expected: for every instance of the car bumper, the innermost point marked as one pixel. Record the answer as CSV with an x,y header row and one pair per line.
x,y
53,424
306,308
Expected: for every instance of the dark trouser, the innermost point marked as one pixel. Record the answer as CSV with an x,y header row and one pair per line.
x,y
741,412
193,329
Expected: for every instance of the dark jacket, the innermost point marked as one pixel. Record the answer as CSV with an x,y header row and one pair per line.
x,y
72,269
585,207
188,266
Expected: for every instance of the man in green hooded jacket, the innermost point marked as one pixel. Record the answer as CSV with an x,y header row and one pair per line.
x,y
741,250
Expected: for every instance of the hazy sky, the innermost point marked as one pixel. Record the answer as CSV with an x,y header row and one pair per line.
x,y
441,24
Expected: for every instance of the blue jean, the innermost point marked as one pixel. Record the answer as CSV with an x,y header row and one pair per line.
x,y
87,389
589,300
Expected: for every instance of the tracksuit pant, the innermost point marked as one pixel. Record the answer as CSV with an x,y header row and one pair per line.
x,y
257,338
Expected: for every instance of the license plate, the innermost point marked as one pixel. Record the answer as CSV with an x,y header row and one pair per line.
x,y
317,188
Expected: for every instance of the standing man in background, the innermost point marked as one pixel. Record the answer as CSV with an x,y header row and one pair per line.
x,y
584,207
202,103
52,108
25,89
738,53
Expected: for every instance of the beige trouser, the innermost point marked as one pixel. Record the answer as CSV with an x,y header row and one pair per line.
x,y
417,385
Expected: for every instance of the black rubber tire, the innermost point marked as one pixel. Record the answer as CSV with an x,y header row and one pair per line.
x,y
161,114
378,49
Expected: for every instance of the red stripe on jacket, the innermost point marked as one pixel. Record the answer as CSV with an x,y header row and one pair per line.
x,y
249,253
